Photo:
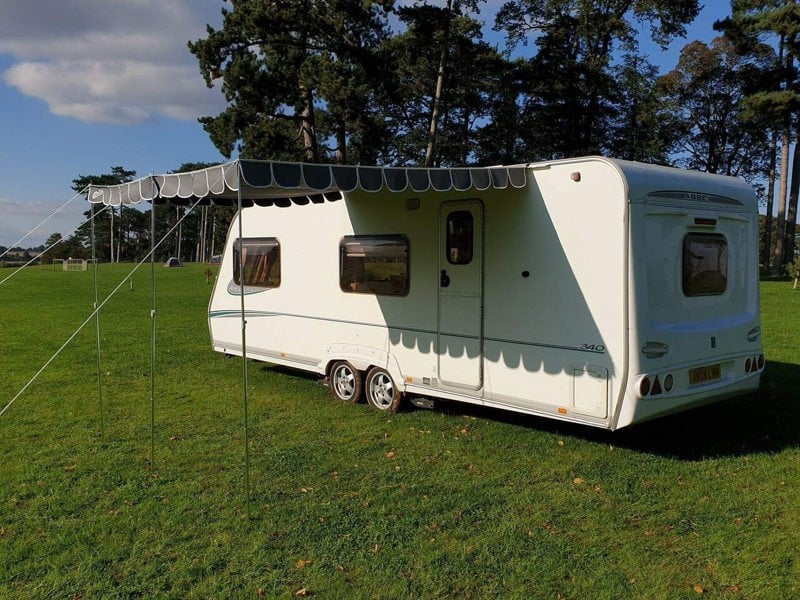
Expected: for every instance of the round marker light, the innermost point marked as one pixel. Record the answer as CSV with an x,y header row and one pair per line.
x,y
668,382
748,366
760,361
644,386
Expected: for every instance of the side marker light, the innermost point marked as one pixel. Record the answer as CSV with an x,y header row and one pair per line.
x,y
644,386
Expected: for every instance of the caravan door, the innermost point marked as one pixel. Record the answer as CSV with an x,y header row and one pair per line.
x,y
460,306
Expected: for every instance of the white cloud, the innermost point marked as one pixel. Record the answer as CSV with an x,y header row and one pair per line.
x,y
110,62
116,91
23,216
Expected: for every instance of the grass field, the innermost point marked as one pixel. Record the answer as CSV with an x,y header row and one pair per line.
x,y
349,503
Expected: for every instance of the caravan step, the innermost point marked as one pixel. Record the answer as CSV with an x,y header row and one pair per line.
x,y
422,402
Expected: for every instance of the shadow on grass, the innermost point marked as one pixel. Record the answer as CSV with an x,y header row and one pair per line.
x,y
765,421
287,371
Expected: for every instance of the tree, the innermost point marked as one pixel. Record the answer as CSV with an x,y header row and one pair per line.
x,y
502,138
440,76
573,90
283,65
52,243
640,129
200,231
436,119
104,235
52,239
705,96
778,100
451,11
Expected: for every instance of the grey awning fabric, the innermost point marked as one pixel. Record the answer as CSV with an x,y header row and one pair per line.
x,y
267,183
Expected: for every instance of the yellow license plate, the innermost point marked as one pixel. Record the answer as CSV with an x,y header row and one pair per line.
x,y
705,374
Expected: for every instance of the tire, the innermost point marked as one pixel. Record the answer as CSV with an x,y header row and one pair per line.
x,y
345,382
382,393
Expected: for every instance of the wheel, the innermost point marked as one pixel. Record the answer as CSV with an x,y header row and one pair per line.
x,y
345,382
382,393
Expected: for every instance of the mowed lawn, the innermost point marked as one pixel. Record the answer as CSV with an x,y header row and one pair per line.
x,y
459,502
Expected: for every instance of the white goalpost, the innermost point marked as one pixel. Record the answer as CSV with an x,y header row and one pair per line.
x,y
76,264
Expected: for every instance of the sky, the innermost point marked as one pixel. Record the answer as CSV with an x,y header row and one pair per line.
x,y
86,85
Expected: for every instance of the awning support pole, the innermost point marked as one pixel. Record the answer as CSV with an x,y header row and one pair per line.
x,y
244,343
97,331
156,191
87,321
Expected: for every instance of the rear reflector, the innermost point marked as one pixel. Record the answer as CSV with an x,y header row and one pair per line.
x,y
656,387
704,222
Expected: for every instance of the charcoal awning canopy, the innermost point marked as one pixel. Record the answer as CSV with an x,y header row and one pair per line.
x,y
284,183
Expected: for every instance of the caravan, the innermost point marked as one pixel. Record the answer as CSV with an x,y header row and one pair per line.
x,y
589,290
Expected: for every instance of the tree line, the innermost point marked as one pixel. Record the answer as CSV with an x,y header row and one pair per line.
x,y
389,83
123,234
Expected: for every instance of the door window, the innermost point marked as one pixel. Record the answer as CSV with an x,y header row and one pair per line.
x,y
460,237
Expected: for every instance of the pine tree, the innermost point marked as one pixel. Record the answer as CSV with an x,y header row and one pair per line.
x,y
107,233
574,94
286,67
776,22
437,116
705,101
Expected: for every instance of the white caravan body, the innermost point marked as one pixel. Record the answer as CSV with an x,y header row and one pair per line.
x,y
602,292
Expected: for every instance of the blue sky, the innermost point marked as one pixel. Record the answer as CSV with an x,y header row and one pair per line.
x,y
86,85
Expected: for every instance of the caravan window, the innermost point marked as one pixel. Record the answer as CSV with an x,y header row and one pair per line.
x,y
374,264
261,258
459,237
705,264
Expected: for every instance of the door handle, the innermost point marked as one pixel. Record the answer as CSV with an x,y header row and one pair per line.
x,y
444,279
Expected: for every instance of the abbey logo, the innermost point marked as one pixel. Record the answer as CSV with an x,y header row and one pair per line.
x,y
693,197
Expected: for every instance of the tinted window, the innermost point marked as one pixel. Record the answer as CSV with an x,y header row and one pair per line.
x,y
261,258
459,237
705,264
374,264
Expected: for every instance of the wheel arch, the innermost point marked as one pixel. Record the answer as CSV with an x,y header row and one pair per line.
x,y
364,358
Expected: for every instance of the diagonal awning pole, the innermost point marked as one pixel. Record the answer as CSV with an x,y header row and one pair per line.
x,y
97,331
53,214
50,247
88,319
244,344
